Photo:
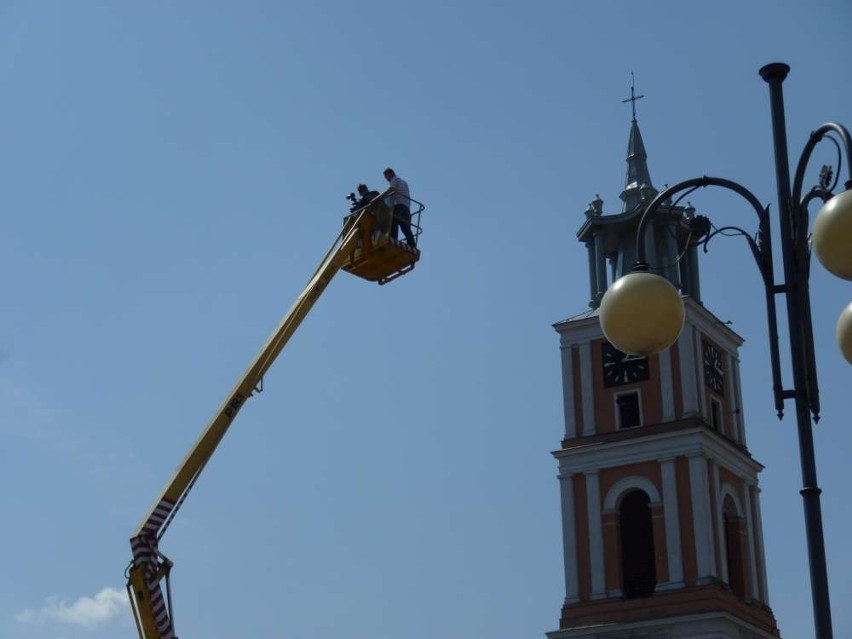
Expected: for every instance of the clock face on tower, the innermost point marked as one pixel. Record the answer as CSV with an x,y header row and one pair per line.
x,y
620,368
714,373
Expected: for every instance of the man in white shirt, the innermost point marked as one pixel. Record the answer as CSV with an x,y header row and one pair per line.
x,y
401,202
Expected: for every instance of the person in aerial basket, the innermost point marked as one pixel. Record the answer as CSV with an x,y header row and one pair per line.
x,y
372,226
400,200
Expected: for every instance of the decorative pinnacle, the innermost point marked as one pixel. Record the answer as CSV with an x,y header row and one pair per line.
x,y
633,97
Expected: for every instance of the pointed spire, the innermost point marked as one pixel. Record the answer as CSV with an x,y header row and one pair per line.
x,y
611,239
638,186
637,161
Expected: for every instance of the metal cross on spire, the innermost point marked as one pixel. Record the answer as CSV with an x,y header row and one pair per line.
x,y
633,97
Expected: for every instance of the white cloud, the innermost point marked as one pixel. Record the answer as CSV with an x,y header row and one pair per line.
x,y
106,605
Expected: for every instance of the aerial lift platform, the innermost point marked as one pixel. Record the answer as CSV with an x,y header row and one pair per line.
x,y
378,257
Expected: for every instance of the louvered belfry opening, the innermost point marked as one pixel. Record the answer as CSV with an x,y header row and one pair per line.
x,y
638,566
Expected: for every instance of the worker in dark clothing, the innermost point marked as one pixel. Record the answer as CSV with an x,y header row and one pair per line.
x,y
376,223
366,196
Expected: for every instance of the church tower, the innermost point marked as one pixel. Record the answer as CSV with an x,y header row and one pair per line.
x,y
661,521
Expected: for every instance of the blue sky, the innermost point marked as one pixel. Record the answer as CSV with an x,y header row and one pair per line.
x,y
173,173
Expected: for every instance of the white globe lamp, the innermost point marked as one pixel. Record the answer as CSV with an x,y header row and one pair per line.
x,y
641,313
832,235
844,332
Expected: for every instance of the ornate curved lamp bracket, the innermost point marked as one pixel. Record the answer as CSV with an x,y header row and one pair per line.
x,y
760,246
757,245
761,249
824,133
825,190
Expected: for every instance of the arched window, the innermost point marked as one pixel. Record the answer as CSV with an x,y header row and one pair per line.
x,y
734,545
638,566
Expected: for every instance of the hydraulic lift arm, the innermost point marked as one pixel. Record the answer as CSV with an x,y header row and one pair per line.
x,y
149,567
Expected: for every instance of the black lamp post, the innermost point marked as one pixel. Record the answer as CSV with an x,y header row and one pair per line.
x,y
642,293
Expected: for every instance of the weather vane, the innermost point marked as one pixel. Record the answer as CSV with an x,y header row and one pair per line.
x,y
633,97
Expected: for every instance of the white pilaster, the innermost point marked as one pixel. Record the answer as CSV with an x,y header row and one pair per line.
x,y
703,409
670,510
672,271
686,357
600,264
701,518
721,542
651,246
596,545
758,537
734,420
587,388
665,359
569,538
754,591
593,272
738,395
568,390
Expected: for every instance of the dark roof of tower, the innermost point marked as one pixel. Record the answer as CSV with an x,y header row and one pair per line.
x,y
638,186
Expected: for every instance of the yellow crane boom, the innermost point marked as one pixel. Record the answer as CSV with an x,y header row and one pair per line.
x,y
379,258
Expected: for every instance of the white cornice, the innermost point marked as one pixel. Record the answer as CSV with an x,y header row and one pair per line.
x,y
586,326
697,440
706,624
578,331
